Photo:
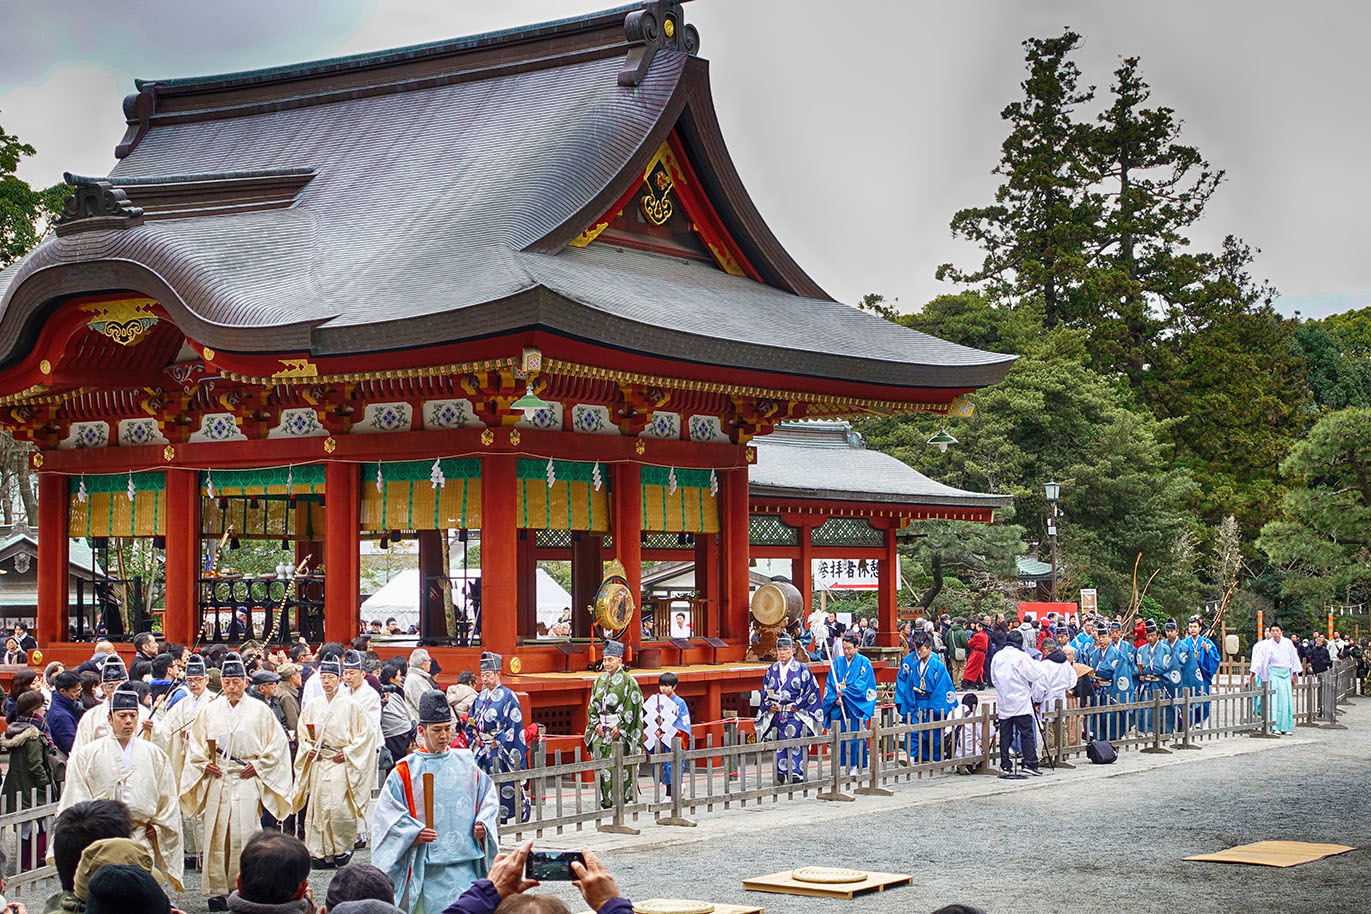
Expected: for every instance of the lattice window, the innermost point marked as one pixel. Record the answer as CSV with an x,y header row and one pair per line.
x,y
669,541
766,530
556,720
554,539
847,531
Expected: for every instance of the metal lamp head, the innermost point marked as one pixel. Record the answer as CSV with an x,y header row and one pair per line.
x,y
530,402
1053,491
942,440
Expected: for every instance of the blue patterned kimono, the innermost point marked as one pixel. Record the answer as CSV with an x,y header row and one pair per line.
x,y
1112,665
924,692
849,702
656,746
427,877
495,733
795,691
1153,662
1198,674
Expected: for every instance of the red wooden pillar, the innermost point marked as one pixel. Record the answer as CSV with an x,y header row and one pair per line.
x,y
183,556
887,593
627,511
53,558
342,551
803,570
527,625
733,522
499,555
707,580
586,570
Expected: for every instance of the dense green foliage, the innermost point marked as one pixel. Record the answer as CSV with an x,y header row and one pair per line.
x,y
1155,382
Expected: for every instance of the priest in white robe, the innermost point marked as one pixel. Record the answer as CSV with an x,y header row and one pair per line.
x,y
356,687
122,767
171,733
95,723
237,763
335,767
1276,660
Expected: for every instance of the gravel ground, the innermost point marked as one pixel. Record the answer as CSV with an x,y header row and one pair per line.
x,y
1088,840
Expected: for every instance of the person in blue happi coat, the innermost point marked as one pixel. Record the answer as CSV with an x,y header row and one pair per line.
x,y
1106,658
850,700
495,732
1125,684
1198,675
791,708
924,693
1154,657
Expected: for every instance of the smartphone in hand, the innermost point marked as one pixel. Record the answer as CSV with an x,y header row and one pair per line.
x,y
552,866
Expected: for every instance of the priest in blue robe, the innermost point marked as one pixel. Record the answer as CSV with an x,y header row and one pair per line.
x,y
1198,675
924,693
495,733
850,700
1154,658
431,865
1106,658
1174,676
791,708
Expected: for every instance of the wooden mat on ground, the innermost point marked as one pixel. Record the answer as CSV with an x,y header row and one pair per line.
x,y
1275,853
785,884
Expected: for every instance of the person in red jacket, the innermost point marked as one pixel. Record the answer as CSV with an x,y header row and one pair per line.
x,y
973,677
1140,633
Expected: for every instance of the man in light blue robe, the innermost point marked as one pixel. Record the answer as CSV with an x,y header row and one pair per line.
x,y
495,733
1124,687
431,866
1198,677
1153,660
1105,657
849,701
1085,638
791,708
924,693
1172,677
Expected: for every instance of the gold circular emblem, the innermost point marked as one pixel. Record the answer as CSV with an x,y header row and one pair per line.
x,y
330,445
36,657
169,452
45,367
670,29
640,446
487,437
37,461
514,437
515,664
208,354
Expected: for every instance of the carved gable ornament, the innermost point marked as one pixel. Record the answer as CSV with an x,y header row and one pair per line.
x,y
95,205
659,26
123,321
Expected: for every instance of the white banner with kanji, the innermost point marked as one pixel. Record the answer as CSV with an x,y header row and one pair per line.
x,y
847,574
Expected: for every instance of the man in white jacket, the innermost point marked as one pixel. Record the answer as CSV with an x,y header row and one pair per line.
x,y
1014,674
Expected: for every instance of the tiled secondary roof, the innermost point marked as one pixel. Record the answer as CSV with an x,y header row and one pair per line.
x,y
446,178
829,461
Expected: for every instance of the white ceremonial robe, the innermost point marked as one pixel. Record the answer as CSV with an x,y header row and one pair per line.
x,y
143,779
231,805
171,733
337,794
370,701
95,723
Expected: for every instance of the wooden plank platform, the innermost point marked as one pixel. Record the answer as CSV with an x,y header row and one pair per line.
x,y
784,884
721,908
1274,853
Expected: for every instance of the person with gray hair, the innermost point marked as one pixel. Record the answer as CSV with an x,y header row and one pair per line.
x,y
418,680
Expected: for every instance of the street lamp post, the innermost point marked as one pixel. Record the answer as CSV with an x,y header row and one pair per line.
x,y
1053,491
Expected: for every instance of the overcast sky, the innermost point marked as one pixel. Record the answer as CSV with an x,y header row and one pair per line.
x,y
859,127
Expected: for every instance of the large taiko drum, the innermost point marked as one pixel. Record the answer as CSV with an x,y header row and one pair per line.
x,y
777,603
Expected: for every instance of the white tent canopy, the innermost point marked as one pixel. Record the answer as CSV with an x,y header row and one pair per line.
x,y
399,598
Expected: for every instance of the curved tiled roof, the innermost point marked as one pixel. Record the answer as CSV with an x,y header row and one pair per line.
x,y
446,178
829,461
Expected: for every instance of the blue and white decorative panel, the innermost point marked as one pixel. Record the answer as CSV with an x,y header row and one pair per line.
x,y
592,419
386,417
707,428
86,434
300,422
218,427
548,418
450,414
662,425
133,432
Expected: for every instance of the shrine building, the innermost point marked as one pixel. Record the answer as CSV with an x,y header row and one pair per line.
x,y
506,289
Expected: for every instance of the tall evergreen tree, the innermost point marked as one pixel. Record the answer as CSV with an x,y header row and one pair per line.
x,y
1036,234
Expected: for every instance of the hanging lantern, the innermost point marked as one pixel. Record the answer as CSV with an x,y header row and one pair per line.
x,y
942,440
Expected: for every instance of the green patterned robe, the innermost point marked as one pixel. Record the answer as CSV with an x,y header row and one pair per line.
x,y
615,700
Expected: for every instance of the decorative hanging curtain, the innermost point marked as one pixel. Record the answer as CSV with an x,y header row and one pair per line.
x,y
692,508
570,503
274,516
107,510
409,501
